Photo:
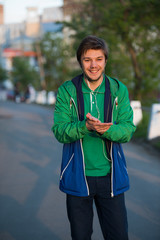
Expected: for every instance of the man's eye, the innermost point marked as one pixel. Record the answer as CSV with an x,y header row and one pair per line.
x,y
99,59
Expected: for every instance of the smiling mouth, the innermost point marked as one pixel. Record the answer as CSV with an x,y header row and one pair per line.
x,y
93,72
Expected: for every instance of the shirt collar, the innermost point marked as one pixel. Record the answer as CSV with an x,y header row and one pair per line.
x,y
99,89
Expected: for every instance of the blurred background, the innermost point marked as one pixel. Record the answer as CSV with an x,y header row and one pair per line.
x,y
38,42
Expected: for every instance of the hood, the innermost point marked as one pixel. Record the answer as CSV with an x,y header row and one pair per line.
x,y
114,87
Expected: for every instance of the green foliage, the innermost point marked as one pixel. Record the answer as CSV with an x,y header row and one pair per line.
x,y
23,73
3,74
56,58
132,30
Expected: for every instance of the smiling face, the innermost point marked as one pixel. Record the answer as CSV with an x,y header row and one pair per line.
x,y
93,65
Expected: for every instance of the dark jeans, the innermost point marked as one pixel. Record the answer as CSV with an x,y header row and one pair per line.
x,y
111,212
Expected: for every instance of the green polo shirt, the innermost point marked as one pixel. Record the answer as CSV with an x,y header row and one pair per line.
x,y
95,156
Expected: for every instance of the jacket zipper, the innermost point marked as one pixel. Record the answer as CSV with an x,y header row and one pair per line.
x,y
112,194
66,167
84,167
81,148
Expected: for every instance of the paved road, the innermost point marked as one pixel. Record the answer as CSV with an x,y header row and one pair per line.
x,y
32,207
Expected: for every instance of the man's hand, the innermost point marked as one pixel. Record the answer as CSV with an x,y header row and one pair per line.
x,y
91,118
91,121
94,124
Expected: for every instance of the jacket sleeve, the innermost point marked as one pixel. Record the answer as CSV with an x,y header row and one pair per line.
x,y
66,128
123,128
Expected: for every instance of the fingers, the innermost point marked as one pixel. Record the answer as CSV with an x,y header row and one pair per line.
x,y
104,124
98,127
99,124
102,129
90,117
95,124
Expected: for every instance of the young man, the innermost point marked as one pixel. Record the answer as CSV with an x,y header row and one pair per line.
x,y
92,117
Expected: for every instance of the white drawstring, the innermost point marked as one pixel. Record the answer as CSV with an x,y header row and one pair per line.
x,y
97,107
91,100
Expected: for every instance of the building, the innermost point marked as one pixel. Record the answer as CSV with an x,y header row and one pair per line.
x,y
17,39
1,14
32,22
53,14
50,20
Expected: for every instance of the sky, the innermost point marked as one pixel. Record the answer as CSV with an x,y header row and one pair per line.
x,y
15,10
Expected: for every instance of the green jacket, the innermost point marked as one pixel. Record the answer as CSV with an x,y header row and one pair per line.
x,y
67,127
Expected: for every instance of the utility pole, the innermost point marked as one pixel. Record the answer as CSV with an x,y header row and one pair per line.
x,y
1,23
40,62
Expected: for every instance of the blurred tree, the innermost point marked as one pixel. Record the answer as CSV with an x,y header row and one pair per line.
x,y
23,73
132,31
55,55
3,74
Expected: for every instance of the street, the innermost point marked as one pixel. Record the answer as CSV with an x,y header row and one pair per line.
x,y
31,205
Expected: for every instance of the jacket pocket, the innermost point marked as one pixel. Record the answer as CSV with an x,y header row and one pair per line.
x,y
72,178
120,173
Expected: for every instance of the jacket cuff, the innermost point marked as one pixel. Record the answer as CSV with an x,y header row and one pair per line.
x,y
82,127
108,133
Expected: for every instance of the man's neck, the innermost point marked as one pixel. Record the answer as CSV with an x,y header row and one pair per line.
x,y
93,84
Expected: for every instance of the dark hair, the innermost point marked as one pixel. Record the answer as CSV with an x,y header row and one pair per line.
x,y
91,42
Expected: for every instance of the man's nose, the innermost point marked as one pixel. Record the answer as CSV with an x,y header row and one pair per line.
x,y
93,64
